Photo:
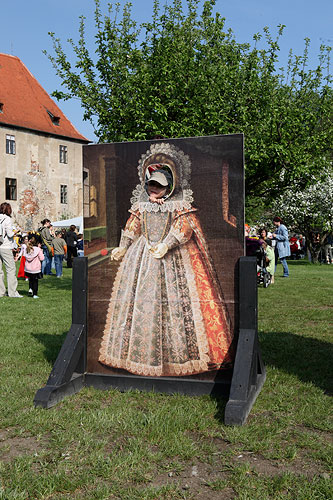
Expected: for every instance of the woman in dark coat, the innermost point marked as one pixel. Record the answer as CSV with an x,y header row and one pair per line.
x,y
71,240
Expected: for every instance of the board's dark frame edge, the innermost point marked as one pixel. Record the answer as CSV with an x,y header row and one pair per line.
x,y
166,385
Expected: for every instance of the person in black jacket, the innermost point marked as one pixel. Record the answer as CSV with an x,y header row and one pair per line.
x,y
71,240
47,238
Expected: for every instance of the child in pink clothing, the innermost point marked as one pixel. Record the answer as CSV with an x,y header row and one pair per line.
x,y
33,264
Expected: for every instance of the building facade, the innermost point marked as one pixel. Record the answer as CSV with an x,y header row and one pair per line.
x,y
40,151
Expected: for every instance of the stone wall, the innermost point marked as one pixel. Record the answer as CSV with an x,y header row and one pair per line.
x,y
39,175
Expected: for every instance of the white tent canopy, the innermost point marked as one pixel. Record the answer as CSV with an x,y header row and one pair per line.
x,y
76,221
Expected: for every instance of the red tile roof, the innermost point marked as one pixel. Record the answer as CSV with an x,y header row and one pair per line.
x,y
24,102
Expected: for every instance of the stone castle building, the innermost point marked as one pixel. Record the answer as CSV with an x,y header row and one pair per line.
x,y
40,151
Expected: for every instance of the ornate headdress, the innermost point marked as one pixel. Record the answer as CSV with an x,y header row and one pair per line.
x,y
168,157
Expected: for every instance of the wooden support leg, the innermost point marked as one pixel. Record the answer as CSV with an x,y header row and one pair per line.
x,y
67,375
249,372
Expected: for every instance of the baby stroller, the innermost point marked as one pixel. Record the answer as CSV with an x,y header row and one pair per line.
x,y
263,276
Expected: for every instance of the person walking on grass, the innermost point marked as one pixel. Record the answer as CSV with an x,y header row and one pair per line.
x,y
60,248
34,256
71,240
282,244
6,252
46,246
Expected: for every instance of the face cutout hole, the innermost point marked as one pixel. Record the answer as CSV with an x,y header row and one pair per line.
x,y
152,175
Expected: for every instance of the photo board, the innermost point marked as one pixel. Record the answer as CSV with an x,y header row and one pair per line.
x,y
167,305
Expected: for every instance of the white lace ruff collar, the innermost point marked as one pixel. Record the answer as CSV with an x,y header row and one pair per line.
x,y
138,201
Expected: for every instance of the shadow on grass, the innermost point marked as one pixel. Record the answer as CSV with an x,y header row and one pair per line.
x,y
220,408
302,262
307,358
51,343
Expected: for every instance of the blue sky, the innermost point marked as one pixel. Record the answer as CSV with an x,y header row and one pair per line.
x,y
25,26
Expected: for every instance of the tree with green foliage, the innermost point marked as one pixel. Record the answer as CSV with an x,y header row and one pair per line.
x,y
182,74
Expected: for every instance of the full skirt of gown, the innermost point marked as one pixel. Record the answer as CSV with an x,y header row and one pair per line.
x,y
166,316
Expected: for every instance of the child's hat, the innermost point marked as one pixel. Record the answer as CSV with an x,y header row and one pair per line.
x,y
159,177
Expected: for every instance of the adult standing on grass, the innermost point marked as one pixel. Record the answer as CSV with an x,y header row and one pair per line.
x,y
282,244
6,252
46,246
71,240
60,249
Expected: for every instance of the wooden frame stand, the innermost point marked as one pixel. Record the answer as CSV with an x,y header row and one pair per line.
x,y
249,372
241,387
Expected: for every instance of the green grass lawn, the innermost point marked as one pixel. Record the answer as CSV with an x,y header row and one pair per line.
x,y
100,445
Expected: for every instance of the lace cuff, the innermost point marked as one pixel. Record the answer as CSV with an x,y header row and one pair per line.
x,y
171,241
176,238
126,239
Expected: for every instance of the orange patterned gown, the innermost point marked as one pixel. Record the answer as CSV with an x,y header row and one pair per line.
x,y
166,316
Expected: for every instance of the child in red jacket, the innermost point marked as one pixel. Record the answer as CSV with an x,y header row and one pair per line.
x,y
20,255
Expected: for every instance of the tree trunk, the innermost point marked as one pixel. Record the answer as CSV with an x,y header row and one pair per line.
x,y
314,248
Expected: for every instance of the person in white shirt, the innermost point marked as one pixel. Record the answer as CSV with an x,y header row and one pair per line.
x,y
6,252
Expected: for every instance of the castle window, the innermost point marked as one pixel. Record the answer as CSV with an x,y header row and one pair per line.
x,y
11,189
54,119
10,144
63,154
63,193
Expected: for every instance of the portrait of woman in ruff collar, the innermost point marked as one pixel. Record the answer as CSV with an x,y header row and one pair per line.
x,y
166,315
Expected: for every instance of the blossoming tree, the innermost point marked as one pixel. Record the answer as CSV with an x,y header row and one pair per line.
x,y
309,210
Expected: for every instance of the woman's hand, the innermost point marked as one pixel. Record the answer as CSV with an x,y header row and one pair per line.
x,y
159,251
118,253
